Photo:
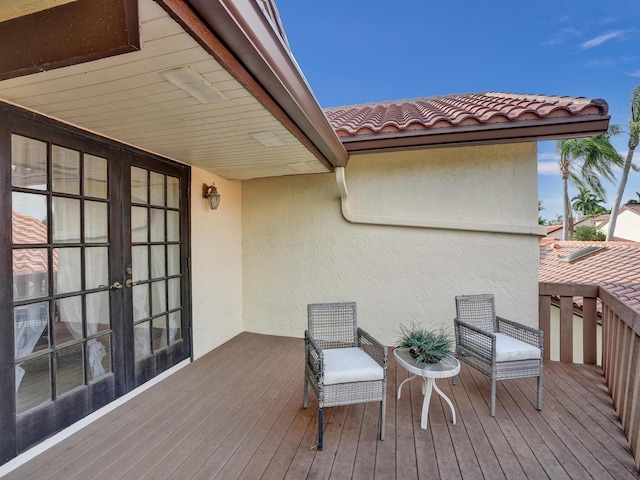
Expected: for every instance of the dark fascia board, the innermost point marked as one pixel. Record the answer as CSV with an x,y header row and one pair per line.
x,y
494,133
69,34
248,33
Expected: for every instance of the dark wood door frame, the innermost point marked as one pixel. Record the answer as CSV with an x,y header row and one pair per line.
x,y
16,120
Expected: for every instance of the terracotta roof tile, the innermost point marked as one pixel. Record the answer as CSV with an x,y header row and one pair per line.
x,y
617,267
457,110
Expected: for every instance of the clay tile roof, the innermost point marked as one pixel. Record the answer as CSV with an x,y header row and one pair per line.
x,y
490,111
617,267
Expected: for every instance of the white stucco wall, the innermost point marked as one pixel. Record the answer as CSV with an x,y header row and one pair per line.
x,y
216,260
298,249
627,226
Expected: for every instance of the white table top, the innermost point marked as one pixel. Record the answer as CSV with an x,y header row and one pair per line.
x,y
447,367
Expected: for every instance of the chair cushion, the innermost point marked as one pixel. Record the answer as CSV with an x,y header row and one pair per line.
x,y
509,349
346,365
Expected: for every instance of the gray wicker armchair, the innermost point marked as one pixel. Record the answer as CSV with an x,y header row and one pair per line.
x,y
343,363
499,348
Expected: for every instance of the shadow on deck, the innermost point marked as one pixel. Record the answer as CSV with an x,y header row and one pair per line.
x,y
224,418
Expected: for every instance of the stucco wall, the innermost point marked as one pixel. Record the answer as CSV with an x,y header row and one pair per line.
x,y
298,249
627,226
216,252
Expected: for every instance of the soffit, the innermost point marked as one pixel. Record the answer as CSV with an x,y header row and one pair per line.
x,y
125,97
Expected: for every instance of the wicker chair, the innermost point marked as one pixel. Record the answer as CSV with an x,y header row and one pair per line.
x,y
499,348
343,364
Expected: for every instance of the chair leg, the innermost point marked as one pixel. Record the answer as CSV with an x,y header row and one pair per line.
x,y
539,407
453,380
383,416
320,429
305,398
493,397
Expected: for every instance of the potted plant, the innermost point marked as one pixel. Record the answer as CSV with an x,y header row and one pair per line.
x,y
426,345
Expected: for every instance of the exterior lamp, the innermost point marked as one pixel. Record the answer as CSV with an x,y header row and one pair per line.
x,y
210,192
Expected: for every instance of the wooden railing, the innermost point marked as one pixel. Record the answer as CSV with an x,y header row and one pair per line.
x,y
620,345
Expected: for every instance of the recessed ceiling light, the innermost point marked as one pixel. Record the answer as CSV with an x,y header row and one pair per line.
x,y
268,139
187,79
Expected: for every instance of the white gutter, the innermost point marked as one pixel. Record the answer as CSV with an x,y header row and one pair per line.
x,y
440,224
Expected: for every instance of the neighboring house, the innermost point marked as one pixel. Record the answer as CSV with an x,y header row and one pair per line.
x,y
627,224
110,128
555,231
616,266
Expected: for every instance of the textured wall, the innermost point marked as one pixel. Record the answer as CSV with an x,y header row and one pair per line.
x,y
298,249
216,252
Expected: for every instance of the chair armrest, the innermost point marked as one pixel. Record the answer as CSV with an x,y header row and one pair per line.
x,y
530,335
472,338
314,357
373,348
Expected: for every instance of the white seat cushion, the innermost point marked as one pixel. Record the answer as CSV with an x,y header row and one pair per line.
x,y
509,349
346,365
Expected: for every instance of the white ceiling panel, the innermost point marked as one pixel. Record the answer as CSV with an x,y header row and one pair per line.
x,y
126,98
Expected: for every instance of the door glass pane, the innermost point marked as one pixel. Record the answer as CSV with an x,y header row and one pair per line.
x,y
139,263
173,192
33,383
157,261
66,170
158,297
157,188
141,308
95,222
139,185
173,226
142,340
174,293
29,218
159,332
67,323
175,327
70,369
157,225
96,269
97,312
31,328
30,273
173,260
67,277
95,176
66,220
139,224
28,163
99,356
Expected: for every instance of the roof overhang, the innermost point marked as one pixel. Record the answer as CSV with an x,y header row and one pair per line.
x,y
511,132
251,35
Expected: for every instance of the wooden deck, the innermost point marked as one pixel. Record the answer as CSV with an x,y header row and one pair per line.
x,y
218,418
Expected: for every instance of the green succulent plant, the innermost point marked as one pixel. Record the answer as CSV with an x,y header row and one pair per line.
x,y
425,345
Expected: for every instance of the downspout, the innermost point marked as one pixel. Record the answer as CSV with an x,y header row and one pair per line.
x,y
439,224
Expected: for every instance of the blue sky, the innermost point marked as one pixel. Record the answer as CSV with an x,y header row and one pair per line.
x,y
356,51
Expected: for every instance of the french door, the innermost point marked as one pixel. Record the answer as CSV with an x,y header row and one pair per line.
x,y
94,290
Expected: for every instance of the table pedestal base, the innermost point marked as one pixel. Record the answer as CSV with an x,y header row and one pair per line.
x,y
428,384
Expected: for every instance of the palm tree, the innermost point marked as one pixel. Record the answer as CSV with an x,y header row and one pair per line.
x,y
634,135
588,204
633,201
583,161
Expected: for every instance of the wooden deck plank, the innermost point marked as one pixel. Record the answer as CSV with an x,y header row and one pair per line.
x,y
218,418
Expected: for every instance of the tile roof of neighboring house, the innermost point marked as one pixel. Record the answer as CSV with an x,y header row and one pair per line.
x,y
499,116
617,267
553,228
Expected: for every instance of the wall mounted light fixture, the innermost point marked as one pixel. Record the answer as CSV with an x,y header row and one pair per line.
x,y
210,192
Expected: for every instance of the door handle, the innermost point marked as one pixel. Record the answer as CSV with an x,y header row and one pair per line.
x,y
115,286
